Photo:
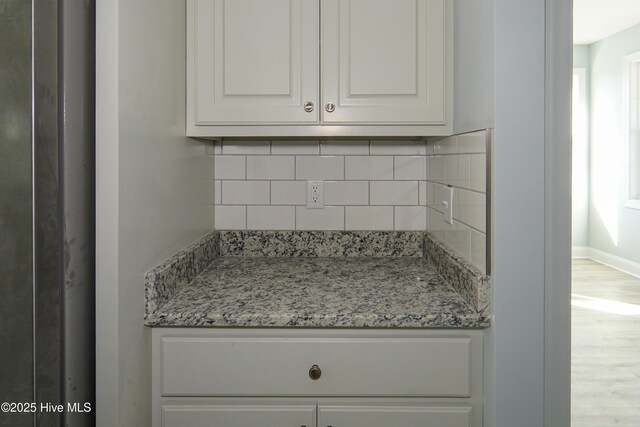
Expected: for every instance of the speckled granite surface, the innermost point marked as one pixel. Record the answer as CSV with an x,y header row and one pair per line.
x,y
164,281
322,243
318,292
473,286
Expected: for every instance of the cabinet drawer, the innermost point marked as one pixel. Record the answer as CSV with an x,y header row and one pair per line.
x,y
238,415
199,366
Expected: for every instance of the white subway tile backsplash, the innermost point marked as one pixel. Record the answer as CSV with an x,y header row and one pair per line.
x,y
459,161
436,168
230,167
410,218
246,147
423,193
437,226
459,239
368,167
436,197
475,142
270,167
329,218
398,148
478,251
342,148
217,192
463,171
346,193
288,192
393,193
369,218
245,192
410,168
369,185
271,217
320,167
450,169
295,148
230,217
447,145
469,207
478,172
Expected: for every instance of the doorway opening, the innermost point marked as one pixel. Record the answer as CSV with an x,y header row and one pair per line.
x,y
605,294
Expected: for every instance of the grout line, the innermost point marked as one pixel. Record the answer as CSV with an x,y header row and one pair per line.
x,y
457,187
344,168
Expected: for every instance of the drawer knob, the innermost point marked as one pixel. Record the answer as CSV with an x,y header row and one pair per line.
x,y
315,372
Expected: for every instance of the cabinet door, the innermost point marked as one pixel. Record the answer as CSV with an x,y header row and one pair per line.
x,y
241,415
253,61
383,61
401,416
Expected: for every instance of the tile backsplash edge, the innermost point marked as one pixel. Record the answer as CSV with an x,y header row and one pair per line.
x,y
162,282
473,286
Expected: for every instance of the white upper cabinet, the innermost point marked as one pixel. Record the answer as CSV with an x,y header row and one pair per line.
x,y
319,67
383,61
254,61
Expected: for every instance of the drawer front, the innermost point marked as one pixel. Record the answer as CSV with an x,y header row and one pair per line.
x,y
349,367
238,415
385,416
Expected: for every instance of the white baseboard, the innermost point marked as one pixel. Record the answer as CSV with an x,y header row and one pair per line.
x,y
579,252
613,261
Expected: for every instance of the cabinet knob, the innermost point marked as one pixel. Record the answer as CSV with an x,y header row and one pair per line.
x,y
308,106
315,372
330,107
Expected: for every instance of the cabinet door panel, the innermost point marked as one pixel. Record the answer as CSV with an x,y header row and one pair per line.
x,y
383,61
254,61
385,416
238,415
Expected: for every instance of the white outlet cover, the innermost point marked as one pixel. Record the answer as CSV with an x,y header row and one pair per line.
x,y
315,194
447,203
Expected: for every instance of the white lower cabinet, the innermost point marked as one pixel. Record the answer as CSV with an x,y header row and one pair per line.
x,y
239,415
316,377
305,415
377,415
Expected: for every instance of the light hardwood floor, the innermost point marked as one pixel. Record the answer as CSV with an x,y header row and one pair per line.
x,y
605,347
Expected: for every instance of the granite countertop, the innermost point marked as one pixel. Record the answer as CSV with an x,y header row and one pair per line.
x,y
375,292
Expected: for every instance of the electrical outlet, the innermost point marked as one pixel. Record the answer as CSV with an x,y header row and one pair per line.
x,y
315,194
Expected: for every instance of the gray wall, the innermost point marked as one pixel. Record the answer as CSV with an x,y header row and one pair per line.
x,y
16,287
150,198
613,228
474,65
516,339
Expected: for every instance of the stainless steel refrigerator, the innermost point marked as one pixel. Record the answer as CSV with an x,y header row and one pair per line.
x,y
47,255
